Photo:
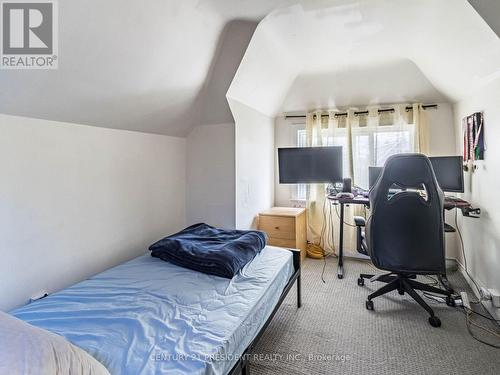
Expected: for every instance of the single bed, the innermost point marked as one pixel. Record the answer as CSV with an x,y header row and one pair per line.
x,y
147,316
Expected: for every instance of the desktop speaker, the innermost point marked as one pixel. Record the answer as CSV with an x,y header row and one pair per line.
x,y
347,185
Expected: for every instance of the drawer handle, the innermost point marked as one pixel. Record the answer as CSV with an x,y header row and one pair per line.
x,y
277,228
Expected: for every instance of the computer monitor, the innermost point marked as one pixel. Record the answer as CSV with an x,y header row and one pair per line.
x,y
449,172
373,174
300,165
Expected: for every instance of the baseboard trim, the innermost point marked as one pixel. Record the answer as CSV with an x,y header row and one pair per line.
x,y
467,278
492,310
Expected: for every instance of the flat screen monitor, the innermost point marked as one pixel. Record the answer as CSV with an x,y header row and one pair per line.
x,y
373,174
300,165
449,172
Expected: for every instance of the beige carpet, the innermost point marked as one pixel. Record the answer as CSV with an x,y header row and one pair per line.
x,y
333,333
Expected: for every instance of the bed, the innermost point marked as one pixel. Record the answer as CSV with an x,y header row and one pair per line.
x,y
147,316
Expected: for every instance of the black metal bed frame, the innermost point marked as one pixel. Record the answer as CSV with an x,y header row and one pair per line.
x,y
242,366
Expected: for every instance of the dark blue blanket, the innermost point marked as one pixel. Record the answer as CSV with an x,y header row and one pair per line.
x,y
210,250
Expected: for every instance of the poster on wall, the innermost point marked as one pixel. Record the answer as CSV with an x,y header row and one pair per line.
x,y
473,130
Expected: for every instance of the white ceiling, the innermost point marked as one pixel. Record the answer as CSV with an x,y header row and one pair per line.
x,y
490,11
147,66
163,66
360,85
360,52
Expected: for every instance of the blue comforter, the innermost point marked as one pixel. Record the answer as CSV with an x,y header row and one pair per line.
x,y
148,317
210,250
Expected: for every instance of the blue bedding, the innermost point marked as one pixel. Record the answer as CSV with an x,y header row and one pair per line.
x,y
147,316
210,250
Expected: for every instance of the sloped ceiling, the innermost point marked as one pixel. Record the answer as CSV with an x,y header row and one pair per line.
x,y
490,11
163,66
160,66
360,85
335,53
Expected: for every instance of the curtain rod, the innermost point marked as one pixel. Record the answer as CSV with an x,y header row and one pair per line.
x,y
425,106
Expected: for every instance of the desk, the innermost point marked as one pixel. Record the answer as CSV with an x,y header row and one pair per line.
x,y
360,199
449,204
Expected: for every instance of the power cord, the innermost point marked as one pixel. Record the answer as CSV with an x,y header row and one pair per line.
x,y
338,215
434,281
470,312
331,236
463,252
469,323
481,315
323,228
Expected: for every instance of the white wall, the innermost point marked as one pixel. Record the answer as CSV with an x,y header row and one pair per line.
x,y
210,194
256,91
75,200
442,131
482,236
254,134
285,135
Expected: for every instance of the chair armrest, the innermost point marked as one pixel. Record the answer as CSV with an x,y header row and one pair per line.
x,y
359,221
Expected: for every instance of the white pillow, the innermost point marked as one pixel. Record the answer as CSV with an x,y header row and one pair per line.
x,y
25,349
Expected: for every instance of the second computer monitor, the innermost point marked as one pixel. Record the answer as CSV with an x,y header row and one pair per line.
x,y
449,172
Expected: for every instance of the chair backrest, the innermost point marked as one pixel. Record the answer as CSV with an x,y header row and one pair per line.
x,y
405,232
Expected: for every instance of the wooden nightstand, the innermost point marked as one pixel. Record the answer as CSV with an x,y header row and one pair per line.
x,y
285,227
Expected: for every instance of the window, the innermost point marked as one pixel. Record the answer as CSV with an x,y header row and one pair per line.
x,y
371,146
338,139
301,142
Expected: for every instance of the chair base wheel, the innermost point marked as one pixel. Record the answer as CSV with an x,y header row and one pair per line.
x,y
369,305
434,321
361,281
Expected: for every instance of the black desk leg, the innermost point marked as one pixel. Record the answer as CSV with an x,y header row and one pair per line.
x,y
299,293
340,267
245,370
445,283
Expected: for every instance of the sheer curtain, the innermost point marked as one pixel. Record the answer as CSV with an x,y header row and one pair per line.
x,y
367,139
421,129
323,217
315,193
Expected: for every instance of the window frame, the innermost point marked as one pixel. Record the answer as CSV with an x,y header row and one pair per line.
x,y
301,141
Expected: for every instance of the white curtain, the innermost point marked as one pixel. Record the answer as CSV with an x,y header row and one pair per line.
x,y
315,193
421,129
367,140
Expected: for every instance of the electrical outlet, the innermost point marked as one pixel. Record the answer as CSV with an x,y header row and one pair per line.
x,y
485,294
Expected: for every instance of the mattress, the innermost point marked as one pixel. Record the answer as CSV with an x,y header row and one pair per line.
x,y
147,316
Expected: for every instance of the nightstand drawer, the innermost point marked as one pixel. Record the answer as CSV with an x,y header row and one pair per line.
x,y
278,226
280,242
285,227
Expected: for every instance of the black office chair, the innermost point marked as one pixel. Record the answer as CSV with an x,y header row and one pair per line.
x,y
405,231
